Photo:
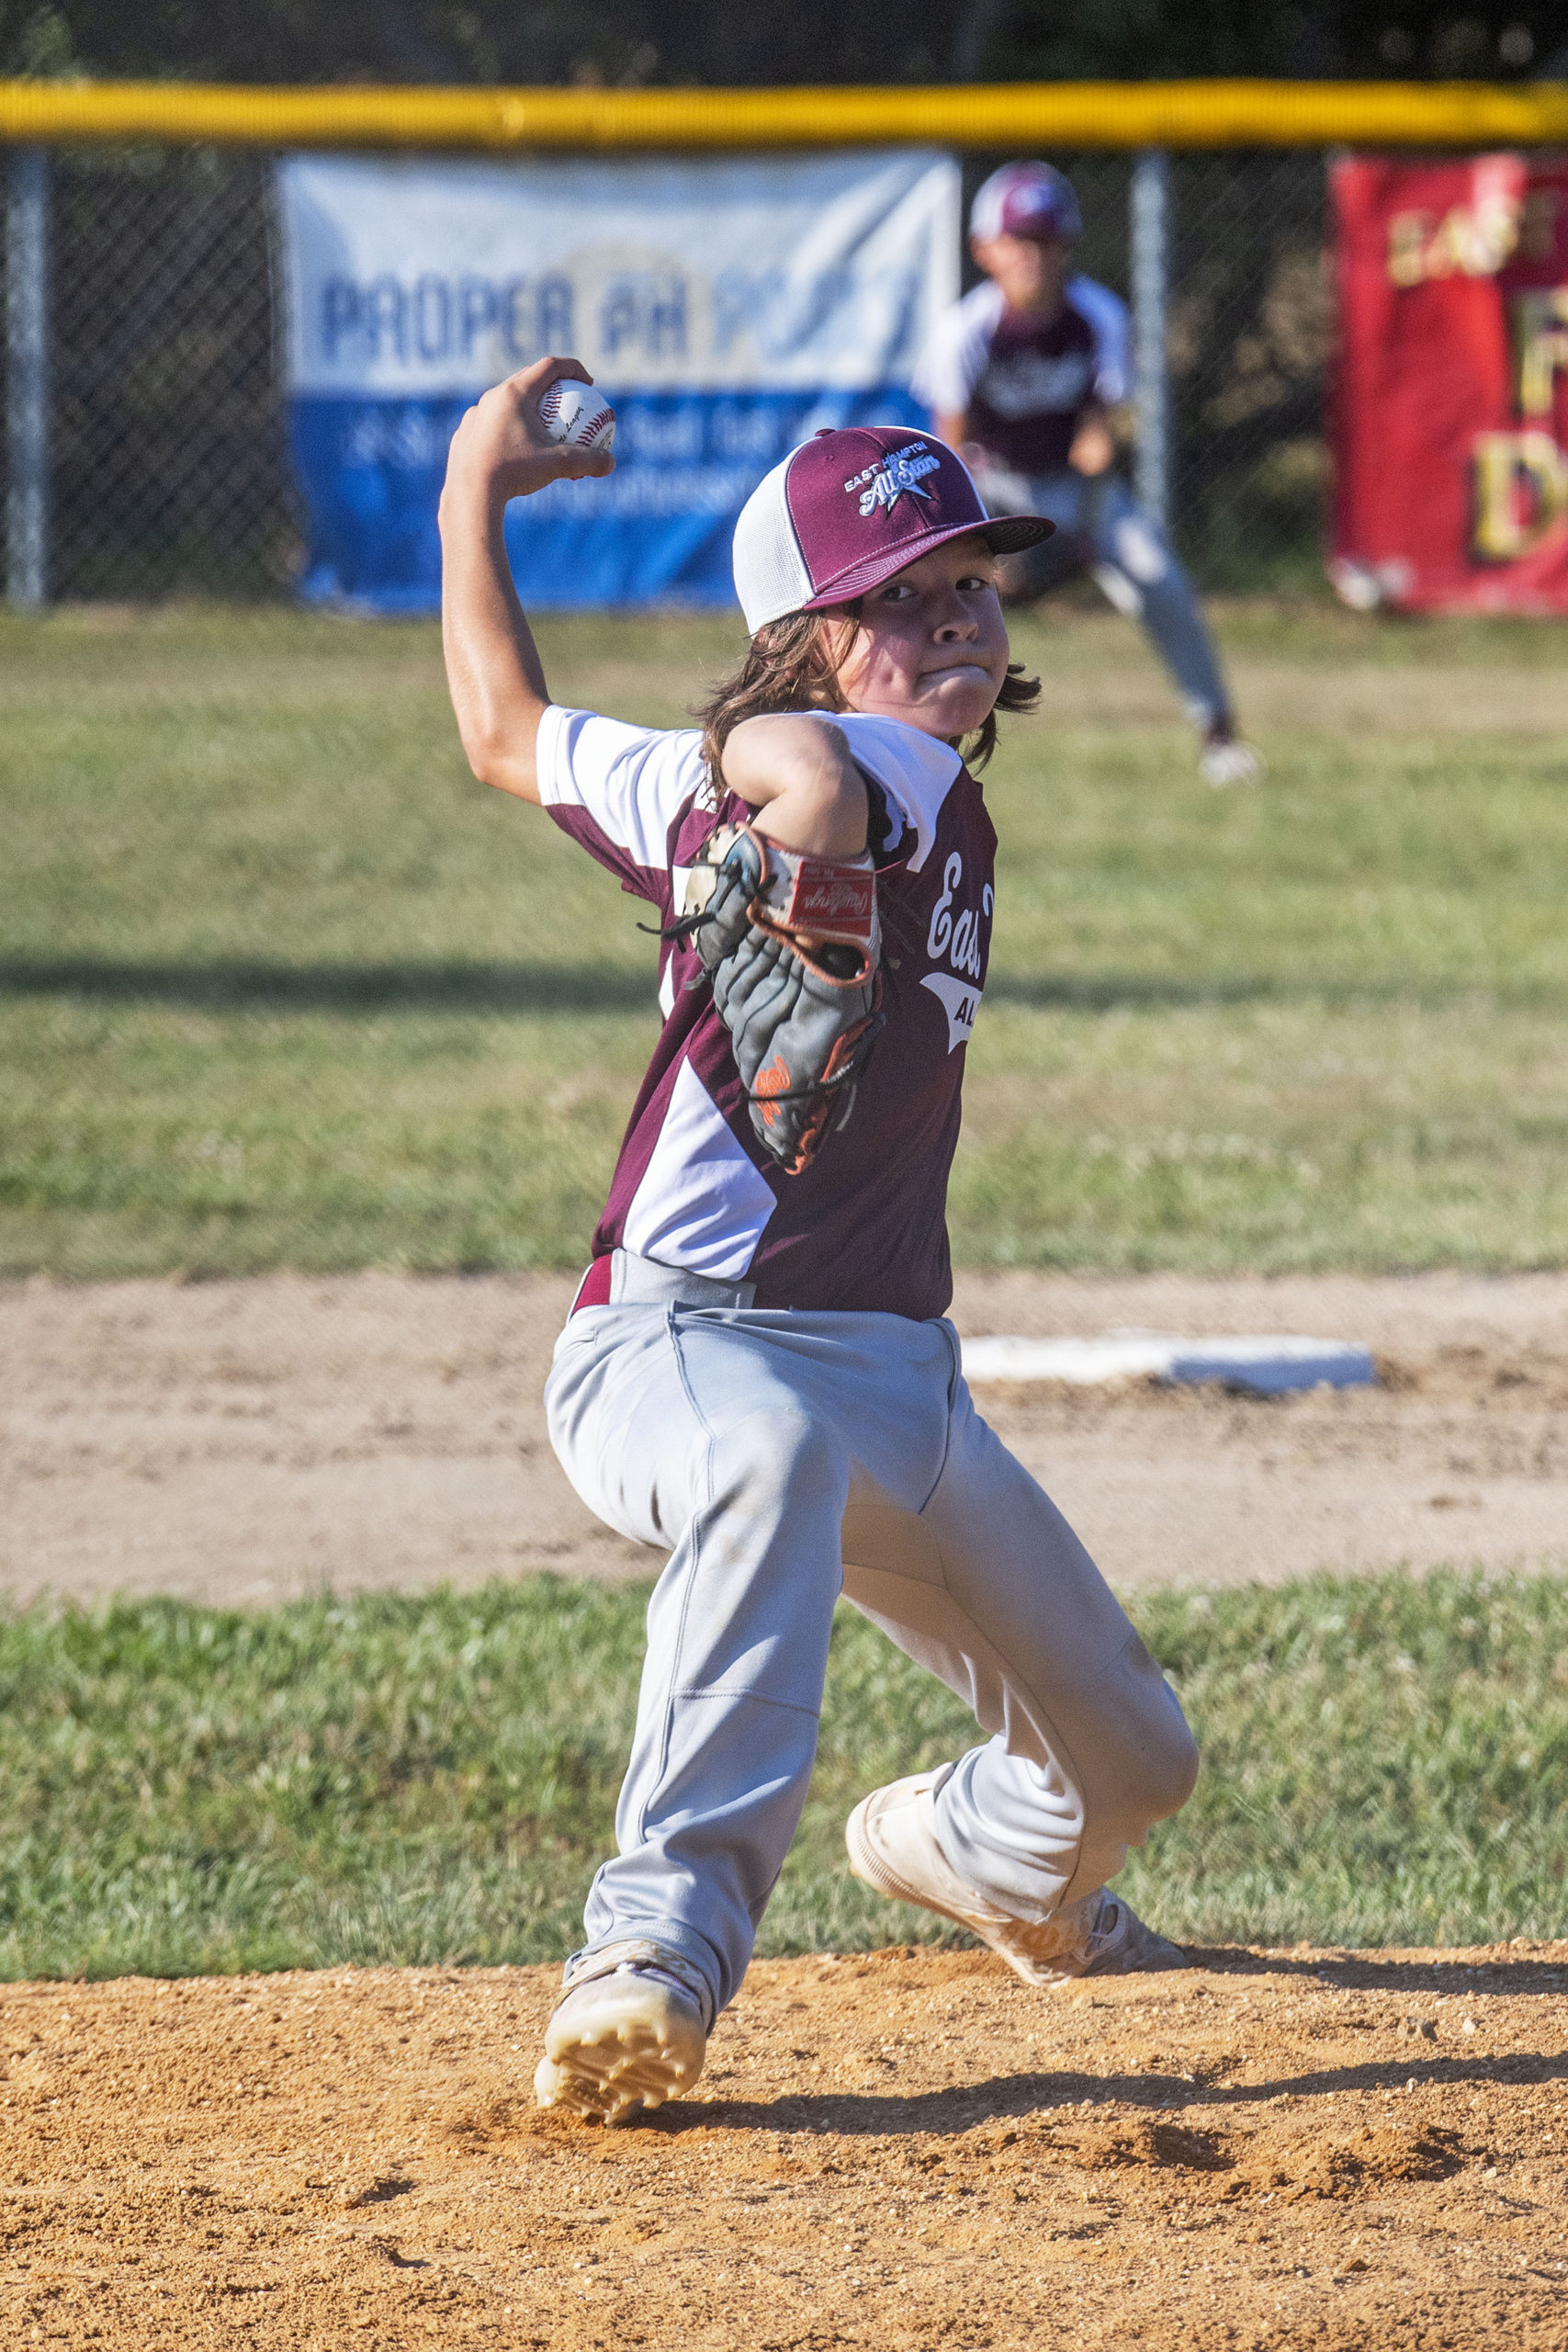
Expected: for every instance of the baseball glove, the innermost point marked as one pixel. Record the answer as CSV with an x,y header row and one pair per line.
x,y
792,945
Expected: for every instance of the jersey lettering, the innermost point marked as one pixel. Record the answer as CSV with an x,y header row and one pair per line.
x,y
957,937
1029,385
960,1000
941,931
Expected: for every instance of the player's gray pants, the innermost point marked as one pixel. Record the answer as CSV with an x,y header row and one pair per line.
x,y
780,1458
1099,529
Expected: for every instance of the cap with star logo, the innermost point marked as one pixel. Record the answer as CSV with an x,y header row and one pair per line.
x,y
847,510
1028,200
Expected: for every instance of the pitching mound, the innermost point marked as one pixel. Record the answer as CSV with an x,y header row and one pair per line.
x,y
904,2149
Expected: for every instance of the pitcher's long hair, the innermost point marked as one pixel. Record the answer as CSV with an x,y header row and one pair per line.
x,y
790,664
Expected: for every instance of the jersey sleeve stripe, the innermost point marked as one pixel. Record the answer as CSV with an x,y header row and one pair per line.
x,y
631,782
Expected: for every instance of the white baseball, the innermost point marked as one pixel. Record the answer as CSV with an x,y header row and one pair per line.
x,y
578,415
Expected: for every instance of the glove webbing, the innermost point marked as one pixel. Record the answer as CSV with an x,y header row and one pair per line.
x,y
685,927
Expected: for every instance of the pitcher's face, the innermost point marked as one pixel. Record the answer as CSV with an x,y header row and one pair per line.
x,y
932,647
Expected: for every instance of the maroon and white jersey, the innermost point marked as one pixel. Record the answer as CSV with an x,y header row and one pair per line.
x,y
1024,386
865,1226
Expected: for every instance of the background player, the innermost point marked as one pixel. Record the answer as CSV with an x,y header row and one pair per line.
x,y
757,1376
1019,376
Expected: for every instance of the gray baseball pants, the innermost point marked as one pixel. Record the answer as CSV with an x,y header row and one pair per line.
x,y
780,1458
1098,527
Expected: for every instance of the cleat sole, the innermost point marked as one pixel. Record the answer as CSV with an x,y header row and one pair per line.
x,y
616,2048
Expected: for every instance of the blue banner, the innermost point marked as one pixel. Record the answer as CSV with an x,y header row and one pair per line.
x,y
728,309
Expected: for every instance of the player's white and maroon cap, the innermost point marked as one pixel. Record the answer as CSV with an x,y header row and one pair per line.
x,y
1026,200
846,511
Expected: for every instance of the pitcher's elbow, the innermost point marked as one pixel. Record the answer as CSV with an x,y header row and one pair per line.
x,y
482,760
496,762
485,753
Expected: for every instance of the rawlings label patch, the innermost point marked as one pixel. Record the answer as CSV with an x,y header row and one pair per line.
x,y
835,901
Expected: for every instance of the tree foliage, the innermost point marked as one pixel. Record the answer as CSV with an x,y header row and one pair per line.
x,y
629,42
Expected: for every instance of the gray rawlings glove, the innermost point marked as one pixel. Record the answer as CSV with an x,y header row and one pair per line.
x,y
801,1017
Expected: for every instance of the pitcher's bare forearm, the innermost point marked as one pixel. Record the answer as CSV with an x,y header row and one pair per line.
x,y
500,450
493,671
797,773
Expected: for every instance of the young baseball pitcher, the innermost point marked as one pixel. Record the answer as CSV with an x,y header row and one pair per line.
x,y
757,1375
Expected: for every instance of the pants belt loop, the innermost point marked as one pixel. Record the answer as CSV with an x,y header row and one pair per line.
x,y
643,1281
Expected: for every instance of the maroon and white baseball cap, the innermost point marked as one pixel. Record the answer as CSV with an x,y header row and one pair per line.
x,y
1026,200
846,511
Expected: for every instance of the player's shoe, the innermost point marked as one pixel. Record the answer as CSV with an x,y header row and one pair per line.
x,y
629,2032
1225,759
891,1836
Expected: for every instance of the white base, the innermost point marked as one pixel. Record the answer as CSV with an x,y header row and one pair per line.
x,y
1267,1366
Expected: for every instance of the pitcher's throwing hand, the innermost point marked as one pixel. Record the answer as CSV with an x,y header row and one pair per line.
x,y
504,434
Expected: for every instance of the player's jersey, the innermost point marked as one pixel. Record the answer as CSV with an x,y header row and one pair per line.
x,y
865,1226
1024,386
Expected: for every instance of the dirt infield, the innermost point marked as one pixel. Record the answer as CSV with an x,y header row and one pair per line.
x,y
243,1441
907,2149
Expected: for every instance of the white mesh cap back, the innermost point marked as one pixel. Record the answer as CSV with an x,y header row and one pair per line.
x,y
770,577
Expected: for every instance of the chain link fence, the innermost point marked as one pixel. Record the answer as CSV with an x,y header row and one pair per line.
x,y
168,458
1249,345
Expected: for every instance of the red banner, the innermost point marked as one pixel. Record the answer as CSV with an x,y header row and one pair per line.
x,y
1451,422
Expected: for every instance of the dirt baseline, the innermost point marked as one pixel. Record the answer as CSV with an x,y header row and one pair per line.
x,y
243,1441
905,2149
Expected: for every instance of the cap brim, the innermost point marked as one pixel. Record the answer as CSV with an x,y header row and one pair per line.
x,y
1003,534
1038,233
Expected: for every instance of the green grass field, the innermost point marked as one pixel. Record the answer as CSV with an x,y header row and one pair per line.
x,y
432,1779
279,984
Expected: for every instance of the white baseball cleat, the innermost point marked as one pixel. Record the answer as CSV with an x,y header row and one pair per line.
x,y
1225,759
629,2033
891,1836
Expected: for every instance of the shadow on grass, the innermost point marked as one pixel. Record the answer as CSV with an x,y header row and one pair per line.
x,y
1137,991
1118,991
243,984
240,984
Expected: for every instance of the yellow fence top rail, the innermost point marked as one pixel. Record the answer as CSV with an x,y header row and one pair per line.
x,y
999,115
